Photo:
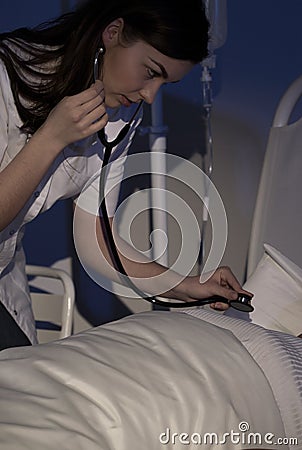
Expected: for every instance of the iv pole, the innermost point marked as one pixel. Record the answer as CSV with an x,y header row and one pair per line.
x,y
158,143
217,16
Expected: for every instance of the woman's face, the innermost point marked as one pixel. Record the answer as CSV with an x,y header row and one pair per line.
x,y
134,73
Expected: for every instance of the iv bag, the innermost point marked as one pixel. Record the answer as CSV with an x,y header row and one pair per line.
x,y
216,11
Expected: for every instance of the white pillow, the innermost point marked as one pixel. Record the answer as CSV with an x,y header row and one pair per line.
x,y
277,287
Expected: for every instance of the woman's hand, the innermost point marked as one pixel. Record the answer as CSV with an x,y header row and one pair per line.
x,y
76,117
221,282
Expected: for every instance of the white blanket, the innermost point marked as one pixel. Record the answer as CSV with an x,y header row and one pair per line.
x,y
131,384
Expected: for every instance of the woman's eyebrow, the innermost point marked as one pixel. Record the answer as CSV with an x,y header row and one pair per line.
x,y
163,70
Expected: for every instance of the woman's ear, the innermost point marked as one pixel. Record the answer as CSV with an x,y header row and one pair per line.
x,y
111,34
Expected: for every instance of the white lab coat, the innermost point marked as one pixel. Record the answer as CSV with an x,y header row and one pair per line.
x,y
66,178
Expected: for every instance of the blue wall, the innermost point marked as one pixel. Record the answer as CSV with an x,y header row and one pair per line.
x,y
18,13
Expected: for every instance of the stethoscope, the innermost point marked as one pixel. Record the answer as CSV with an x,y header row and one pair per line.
x,y
242,303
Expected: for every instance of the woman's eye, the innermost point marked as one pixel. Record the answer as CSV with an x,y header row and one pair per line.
x,y
152,73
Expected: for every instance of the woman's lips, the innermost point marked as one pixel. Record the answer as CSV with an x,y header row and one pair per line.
x,y
125,101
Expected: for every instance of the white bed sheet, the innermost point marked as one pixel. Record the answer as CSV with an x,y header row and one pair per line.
x,y
120,385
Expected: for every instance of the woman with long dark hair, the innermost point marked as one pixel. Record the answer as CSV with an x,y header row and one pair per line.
x,y
53,102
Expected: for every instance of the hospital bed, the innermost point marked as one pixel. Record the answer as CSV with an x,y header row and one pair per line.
x,y
178,379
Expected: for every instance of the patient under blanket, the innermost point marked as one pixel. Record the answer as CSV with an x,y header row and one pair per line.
x,y
147,381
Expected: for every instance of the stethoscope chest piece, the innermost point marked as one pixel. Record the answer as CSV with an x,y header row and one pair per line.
x,y
242,303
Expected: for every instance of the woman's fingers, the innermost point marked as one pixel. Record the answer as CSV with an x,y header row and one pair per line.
x,y
223,283
91,104
77,117
87,110
227,278
96,116
95,90
220,306
229,281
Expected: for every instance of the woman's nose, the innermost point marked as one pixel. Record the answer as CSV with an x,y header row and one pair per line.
x,y
148,93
